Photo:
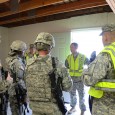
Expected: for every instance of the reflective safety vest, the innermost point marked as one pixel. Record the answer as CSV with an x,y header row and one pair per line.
x,y
76,65
27,56
107,85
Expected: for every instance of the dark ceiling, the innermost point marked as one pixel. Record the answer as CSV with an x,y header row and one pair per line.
x,y
23,12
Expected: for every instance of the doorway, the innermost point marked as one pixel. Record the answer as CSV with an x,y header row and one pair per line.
x,y
88,40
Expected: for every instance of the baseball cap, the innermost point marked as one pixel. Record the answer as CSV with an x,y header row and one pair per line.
x,y
107,28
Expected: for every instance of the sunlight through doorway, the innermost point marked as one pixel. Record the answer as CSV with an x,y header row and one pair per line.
x,y
88,40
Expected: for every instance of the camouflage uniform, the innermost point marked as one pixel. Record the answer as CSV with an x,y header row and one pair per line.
x,y
77,85
16,67
38,83
101,68
3,83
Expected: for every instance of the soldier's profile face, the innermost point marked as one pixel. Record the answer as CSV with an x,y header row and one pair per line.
x,y
106,38
103,39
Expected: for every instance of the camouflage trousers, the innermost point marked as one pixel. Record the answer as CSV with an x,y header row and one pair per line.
x,y
77,85
14,106
103,106
44,108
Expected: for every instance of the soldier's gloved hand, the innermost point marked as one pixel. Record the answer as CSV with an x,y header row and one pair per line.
x,y
9,78
25,104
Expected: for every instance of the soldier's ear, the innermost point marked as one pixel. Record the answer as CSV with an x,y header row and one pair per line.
x,y
106,37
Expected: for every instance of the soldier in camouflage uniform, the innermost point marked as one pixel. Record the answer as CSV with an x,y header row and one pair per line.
x,y
16,67
4,84
75,63
42,101
101,73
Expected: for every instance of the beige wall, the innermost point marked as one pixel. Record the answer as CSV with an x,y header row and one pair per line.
x,y
4,45
62,46
28,33
58,28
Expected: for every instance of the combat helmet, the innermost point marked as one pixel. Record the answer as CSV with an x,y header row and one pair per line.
x,y
43,39
18,45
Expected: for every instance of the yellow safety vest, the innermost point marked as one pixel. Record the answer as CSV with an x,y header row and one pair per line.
x,y
27,56
76,65
106,84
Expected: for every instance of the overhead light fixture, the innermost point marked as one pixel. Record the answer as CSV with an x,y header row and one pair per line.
x,y
111,3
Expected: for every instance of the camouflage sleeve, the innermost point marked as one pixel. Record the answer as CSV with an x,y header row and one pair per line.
x,y
19,70
20,74
4,85
66,79
97,70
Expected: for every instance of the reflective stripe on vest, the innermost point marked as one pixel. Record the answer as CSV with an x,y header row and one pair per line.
x,y
76,65
27,56
106,84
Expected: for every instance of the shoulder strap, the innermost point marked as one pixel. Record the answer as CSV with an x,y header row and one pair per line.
x,y
57,90
59,80
53,62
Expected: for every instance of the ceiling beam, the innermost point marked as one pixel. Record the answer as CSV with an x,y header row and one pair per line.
x,y
77,5
64,15
2,1
33,4
72,6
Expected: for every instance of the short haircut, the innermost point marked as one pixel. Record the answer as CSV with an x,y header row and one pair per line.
x,y
75,44
32,46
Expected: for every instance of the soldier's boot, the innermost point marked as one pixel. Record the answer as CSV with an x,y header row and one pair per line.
x,y
82,112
